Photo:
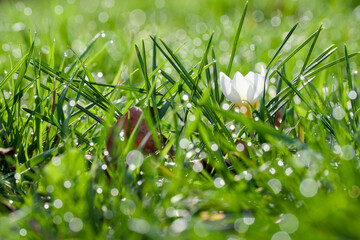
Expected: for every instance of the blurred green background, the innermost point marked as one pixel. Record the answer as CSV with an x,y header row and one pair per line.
x,y
73,23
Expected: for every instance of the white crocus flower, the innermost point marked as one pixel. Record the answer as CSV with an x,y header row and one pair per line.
x,y
243,91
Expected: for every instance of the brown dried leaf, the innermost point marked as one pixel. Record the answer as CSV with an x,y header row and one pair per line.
x,y
128,123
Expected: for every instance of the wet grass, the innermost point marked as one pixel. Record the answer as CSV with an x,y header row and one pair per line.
x,y
289,172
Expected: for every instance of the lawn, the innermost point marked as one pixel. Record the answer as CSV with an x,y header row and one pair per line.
x,y
118,119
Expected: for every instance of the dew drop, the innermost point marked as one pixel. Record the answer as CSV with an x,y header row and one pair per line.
x,y
139,225
114,192
76,224
225,106
352,94
49,188
185,97
179,225
198,167
281,236
128,207
275,185
338,113
17,176
67,184
289,223
308,187
57,220
240,226
219,182
249,219
240,147
58,203
214,147
184,143
23,232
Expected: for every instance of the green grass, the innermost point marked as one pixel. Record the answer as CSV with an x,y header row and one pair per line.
x,y
220,175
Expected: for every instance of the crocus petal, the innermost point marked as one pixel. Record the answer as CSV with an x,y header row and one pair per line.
x,y
263,70
244,88
263,74
259,88
226,85
241,86
238,76
256,86
259,91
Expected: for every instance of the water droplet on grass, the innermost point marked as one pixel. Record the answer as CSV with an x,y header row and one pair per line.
x,y
280,163
57,220
179,225
240,226
76,224
67,184
266,147
114,192
214,147
240,147
198,167
289,223
139,225
49,188
352,94
308,187
338,113
59,9
348,152
127,207
219,182
249,219
23,232
192,118
275,185
281,236
225,106
134,159
184,143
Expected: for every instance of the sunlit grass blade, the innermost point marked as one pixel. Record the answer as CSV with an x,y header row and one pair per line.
x,y
83,54
311,50
281,46
317,70
236,40
202,64
326,122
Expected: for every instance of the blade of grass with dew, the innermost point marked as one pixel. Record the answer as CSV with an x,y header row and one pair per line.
x,y
351,87
325,54
315,71
215,77
90,45
236,40
326,123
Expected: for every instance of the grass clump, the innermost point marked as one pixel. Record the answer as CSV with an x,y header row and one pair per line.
x,y
289,172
